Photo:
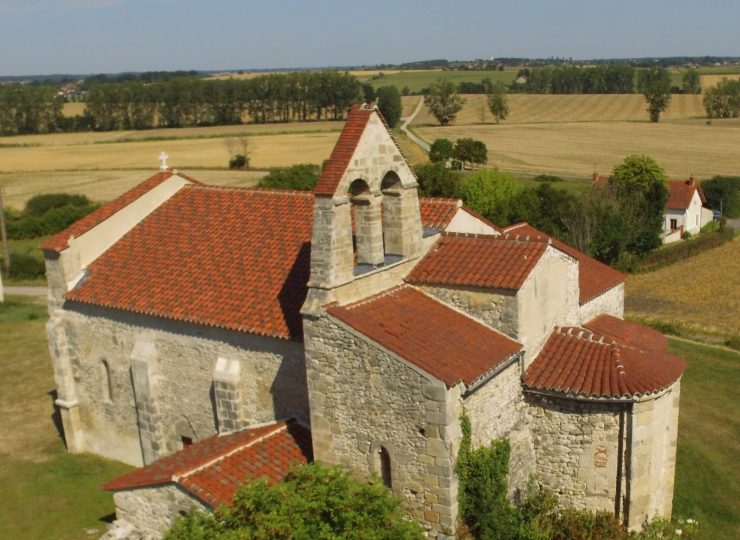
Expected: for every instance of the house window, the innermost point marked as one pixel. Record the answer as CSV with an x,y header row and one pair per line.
x,y
385,467
674,224
105,381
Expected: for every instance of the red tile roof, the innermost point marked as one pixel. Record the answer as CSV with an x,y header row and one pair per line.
x,y
629,333
444,343
579,363
437,212
344,149
213,468
224,257
229,258
60,241
594,277
478,261
680,193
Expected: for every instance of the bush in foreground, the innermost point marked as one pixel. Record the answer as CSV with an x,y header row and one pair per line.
x,y
303,177
313,502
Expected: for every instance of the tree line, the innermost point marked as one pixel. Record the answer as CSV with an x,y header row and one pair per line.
x,y
182,102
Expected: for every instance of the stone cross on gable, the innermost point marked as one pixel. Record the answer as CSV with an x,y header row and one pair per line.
x,y
163,157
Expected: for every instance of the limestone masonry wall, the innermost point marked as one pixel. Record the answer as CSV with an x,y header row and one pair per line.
x,y
130,371
609,303
363,400
576,446
152,511
497,410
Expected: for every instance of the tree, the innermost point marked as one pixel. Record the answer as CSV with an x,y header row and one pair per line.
x,y
238,148
498,103
389,103
723,192
691,82
444,103
436,180
723,100
302,176
368,92
490,192
314,501
655,85
469,150
441,151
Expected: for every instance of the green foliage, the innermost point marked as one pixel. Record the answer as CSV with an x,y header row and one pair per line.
x,y
568,79
29,109
441,150
664,529
655,85
543,207
490,192
239,161
368,93
497,102
436,180
405,91
684,250
303,177
26,266
469,150
314,502
443,101
723,99
389,103
723,192
547,178
691,82
47,214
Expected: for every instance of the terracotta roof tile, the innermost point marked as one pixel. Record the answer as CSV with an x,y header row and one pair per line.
x,y
236,259
60,241
629,333
444,343
478,261
580,363
213,468
594,277
225,257
680,193
437,212
344,149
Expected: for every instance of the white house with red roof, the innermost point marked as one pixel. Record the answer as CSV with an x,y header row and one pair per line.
x,y
685,211
209,335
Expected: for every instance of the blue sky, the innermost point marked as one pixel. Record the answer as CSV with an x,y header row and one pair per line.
x,y
91,36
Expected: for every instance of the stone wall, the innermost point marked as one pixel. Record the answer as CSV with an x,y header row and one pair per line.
x,y
548,297
576,444
156,384
497,411
610,303
364,399
654,427
152,511
495,308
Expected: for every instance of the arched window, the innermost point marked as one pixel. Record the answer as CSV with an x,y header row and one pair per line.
x,y
392,216
385,467
105,381
367,226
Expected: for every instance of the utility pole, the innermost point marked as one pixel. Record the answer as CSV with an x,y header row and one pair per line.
x,y
4,234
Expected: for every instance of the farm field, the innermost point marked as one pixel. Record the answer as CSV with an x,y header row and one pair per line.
x,y
576,149
544,108
699,294
417,80
37,472
707,81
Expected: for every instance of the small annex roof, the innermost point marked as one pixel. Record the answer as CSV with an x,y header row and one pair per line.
x,y
60,241
577,362
442,342
438,212
629,333
345,148
212,469
224,257
594,277
680,193
478,261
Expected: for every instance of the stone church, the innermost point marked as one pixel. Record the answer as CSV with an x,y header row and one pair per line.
x,y
205,334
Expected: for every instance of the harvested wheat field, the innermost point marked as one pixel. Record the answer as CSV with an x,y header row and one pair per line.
x,y
578,148
536,108
701,293
73,109
707,81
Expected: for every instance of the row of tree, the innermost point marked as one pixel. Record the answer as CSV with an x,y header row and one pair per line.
x,y
29,109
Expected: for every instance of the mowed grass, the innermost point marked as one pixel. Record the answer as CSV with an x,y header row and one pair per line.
x,y
542,108
700,294
682,148
46,492
706,486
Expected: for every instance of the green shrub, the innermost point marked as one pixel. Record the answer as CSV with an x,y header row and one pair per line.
x,y
710,227
733,343
436,180
684,250
26,225
547,178
26,266
238,161
303,177
40,204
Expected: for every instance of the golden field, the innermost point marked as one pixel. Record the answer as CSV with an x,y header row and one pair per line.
x,y
682,148
542,108
700,293
707,81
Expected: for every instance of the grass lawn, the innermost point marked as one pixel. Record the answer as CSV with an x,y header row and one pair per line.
x,y
709,440
46,492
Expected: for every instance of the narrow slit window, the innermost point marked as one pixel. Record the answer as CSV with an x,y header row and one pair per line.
x,y
106,383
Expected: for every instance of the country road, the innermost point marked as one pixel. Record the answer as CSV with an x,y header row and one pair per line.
x,y
406,121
